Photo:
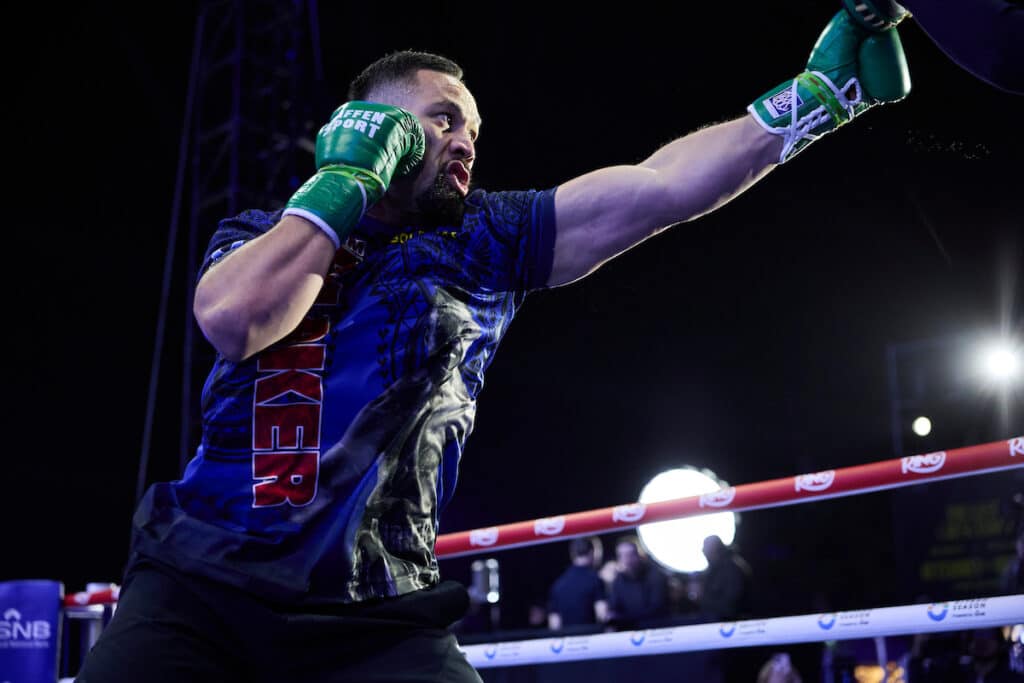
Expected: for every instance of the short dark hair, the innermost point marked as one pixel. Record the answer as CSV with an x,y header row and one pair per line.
x,y
399,67
585,545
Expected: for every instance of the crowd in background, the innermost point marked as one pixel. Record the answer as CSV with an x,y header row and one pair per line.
x,y
631,591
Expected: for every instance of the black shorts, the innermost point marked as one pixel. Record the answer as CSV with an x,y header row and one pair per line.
x,y
169,628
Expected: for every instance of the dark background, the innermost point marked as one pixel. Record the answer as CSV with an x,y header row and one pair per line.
x,y
751,341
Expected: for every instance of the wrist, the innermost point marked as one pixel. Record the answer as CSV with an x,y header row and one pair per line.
x,y
767,146
802,109
318,225
335,199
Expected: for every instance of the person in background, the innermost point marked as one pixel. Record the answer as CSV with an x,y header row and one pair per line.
x,y
988,659
725,594
578,596
639,591
934,657
779,669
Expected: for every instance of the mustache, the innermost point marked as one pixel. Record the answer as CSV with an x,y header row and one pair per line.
x,y
441,204
442,183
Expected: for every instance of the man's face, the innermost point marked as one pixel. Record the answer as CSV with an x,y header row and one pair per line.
x,y
451,123
628,557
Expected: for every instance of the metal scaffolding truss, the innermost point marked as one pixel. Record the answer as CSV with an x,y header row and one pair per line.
x,y
246,142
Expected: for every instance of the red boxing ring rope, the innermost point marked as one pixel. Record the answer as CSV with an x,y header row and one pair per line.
x,y
103,596
803,488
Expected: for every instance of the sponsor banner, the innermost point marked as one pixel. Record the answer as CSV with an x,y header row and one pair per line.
x,y
962,545
655,638
819,481
855,624
928,463
483,537
549,526
505,652
960,610
742,632
838,623
29,629
718,499
629,514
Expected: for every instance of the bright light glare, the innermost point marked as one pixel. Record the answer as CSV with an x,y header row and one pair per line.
x,y
1001,362
677,544
922,426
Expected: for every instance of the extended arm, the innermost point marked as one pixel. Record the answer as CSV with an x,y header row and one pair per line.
x,y
605,212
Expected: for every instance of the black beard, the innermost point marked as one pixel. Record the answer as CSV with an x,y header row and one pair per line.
x,y
440,205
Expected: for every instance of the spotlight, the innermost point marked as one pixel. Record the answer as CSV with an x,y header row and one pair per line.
x,y
922,426
677,544
1000,362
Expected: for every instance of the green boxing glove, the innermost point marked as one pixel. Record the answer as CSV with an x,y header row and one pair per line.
x,y
876,15
850,70
358,152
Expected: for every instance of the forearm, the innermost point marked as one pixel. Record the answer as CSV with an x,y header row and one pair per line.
x,y
261,292
705,169
605,212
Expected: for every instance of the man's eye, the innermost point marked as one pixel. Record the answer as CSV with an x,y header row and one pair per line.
x,y
447,118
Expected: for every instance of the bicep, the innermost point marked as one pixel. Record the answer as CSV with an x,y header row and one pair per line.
x,y
601,214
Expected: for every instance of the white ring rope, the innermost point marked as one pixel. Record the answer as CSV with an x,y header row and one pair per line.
x,y
807,628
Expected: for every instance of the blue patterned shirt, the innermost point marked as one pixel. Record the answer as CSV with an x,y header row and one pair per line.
x,y
326,458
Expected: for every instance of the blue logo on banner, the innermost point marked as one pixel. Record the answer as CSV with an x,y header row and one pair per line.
x,y
727,630
490,651
938,611
638,638
29,614
826,621
557,644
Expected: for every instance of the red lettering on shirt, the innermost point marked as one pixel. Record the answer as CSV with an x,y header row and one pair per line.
x,y
295,425
286,419
286,477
